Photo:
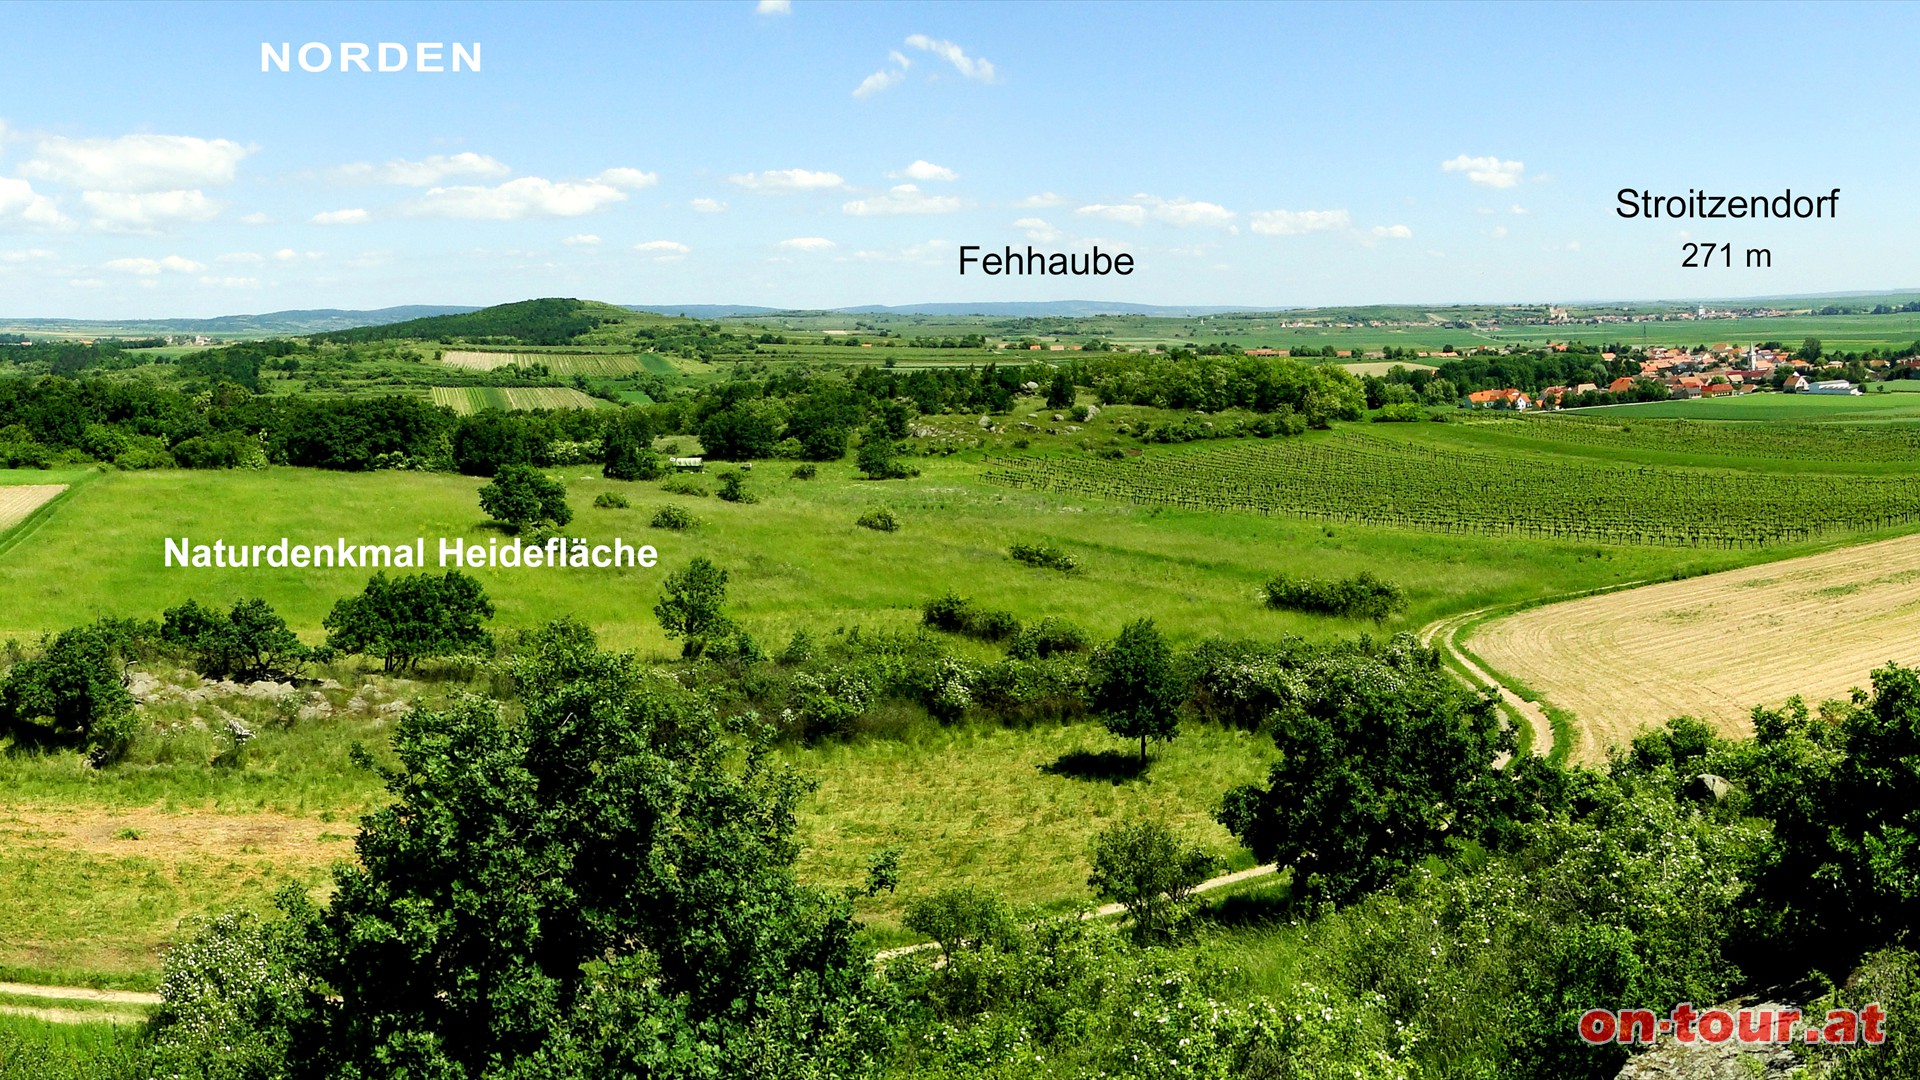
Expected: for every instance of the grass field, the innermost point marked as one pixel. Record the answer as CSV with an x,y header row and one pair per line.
x,y
1867,408
466,400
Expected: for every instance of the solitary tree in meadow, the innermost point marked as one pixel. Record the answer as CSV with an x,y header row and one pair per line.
x,y
1134,687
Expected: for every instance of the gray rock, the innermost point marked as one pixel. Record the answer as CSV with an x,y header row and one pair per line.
x,y
1706,787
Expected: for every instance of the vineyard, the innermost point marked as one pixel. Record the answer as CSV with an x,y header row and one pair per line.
x,y
605,365
1775,441
472,399
1365,479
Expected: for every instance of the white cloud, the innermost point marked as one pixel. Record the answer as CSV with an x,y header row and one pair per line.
x,y
1041,201
787,180
1498,232
232,282
290,255
1488,171
1186,212
27,255
529,196
708,206
241,257
924,171
902,199
627,178
87,283
885,78
354,216
136,163
774,7
1516,208
19,202
119,211
969,66
1038,230
150,267
1392,232
1298,222
422,173
663,250
256,218
807,243
582,240
1128,213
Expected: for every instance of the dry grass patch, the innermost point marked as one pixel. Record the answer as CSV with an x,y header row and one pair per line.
x,y
1715,646
18,501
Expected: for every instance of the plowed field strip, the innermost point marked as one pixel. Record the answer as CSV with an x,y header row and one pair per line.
x,y
17,502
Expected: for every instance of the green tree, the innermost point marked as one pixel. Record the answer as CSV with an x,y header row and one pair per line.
x,y
524,498
250,642
1145,868
1810,350
1134,687
1060,390
599,882
626,450
1382,758
408,619
879,455
691,605
70,695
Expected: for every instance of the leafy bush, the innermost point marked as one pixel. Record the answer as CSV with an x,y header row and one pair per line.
x,y
733,488
414,617
1050,635
611,500
672,516
1362,596
967,917
684,485
880,519
523,498
1401,412
806,472
1043,556
957,615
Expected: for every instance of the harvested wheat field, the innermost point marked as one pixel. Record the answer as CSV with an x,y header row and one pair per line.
x,y
1715,646
17,502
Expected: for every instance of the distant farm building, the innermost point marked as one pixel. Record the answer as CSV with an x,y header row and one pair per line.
x,y
1794,384
1835,387
687,464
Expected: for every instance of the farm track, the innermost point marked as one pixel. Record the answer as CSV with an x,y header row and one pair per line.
x,y
1445,632
1715,646
1104,911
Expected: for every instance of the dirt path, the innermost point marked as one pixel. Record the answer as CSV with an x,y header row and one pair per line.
x,y
1441,634
1105,910
80,993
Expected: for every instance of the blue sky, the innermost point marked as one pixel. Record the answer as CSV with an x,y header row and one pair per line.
x,y
819,154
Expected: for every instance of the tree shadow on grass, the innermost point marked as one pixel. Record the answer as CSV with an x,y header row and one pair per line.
x,y
1113,766
1269,904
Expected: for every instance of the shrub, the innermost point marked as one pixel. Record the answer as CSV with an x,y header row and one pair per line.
x,y
1361,596
673,517
879,519
1044,556
681,485
249,642
967,917
1402,412
611,500
522,497
956,614
733,488
1146,869
806,472
1045,638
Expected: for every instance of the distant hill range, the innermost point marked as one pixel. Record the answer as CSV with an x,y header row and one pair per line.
x,y
1063,309
270,324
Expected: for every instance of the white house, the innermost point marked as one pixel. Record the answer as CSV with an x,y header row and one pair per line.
x,y
1839,387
